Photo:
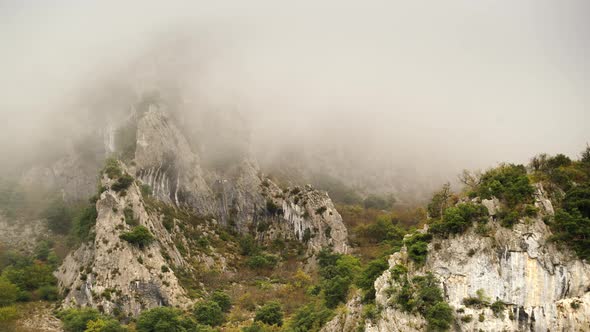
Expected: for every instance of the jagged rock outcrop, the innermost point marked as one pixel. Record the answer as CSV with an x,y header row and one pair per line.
x,y
238,195
543,287
115,275
165,161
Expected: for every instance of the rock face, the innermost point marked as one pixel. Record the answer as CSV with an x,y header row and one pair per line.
x,y
543,287
118,277
238,195
115,275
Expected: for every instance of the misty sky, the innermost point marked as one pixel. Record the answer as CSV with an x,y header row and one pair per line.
x,y
459,84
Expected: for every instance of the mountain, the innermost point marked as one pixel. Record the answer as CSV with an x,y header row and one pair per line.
x,y
147,225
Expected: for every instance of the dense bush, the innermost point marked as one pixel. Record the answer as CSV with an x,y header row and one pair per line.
x,y
222,299
122,183
417,246
8,293
208,313
84,220
310,318
509,183
248,246
262,261
370,273
112,168
76,320
271,314
337,272
423,295
459,218
139,236
166,319
573,228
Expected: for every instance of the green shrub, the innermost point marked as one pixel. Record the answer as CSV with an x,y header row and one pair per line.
x,y
8,293
29,276
222,299
423,294
310,318
122,183
208,313
508,183
84,221
112,168
439,317
498,307
337,272
417,246
166,319
262,261
248,246
371,272
459,218
139,236
271,314
8,314
76,320
48,293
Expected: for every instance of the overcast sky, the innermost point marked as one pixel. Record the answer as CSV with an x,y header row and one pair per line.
x,y
462,84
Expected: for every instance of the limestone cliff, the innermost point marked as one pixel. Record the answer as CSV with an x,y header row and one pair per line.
x,y
115,275
239,196
539,286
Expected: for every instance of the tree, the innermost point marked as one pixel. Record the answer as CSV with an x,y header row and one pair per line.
x,y
470,179
208,313
271,314
440,201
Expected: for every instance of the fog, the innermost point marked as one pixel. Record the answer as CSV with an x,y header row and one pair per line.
x,y
400,94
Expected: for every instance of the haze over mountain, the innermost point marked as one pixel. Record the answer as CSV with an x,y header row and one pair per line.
x,y
412,91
